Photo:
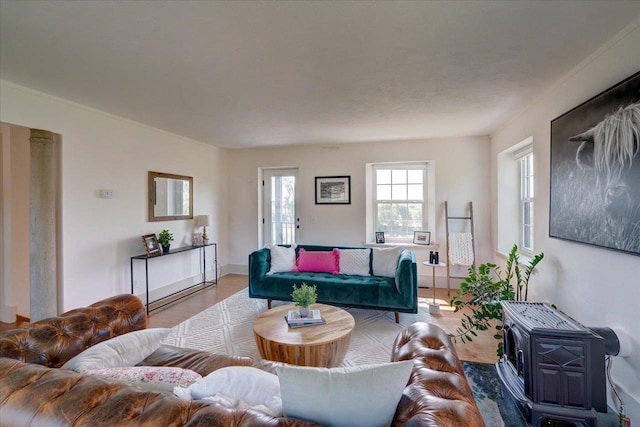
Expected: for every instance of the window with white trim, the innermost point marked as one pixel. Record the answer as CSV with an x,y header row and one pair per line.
x,y
525,165
515,197
399,200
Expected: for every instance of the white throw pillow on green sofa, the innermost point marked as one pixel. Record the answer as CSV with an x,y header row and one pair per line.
x,y
385,261
355,261
283,259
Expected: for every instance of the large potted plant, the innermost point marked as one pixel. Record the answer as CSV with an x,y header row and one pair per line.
x,y
165,238
303,297
483,289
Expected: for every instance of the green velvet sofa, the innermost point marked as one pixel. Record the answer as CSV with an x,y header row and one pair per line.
x,y
398,294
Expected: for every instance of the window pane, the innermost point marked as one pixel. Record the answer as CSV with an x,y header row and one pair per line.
x,y
399,176
403,211
530,185
414,192
415,213
415,176
523,179
385,212
527,225
526,217
383,176
384,192
399,192
527,242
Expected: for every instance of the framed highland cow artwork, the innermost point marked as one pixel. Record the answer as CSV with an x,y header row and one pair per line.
x,y
595,170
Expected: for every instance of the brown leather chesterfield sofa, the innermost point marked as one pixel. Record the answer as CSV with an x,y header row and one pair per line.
x,y
34,392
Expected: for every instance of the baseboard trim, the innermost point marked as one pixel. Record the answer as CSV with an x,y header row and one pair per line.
x,y
8,313
234,269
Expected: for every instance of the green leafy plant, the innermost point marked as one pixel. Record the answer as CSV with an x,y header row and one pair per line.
x,y
165,238
304,295
483,289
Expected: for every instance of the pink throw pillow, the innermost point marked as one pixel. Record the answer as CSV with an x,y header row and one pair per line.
x,y
319,261
159,375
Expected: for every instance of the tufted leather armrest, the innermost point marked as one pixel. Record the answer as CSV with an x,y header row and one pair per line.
x,y
32,395
438,393
53,341
268,365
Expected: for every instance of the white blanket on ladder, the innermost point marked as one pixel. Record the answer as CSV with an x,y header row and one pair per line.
x,y
460,249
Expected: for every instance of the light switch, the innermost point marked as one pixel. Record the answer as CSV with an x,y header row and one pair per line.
x,y
106,194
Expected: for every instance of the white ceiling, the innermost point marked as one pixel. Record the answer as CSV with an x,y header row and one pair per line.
x,y
253,73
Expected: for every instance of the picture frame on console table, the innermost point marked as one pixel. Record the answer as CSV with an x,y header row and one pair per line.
x,y
151,245
595,170
333,190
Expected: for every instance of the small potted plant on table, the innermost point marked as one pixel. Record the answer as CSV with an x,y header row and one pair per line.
x,y
303,297
165,238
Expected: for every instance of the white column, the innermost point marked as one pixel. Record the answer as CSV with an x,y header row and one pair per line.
x,y
43,265
7,305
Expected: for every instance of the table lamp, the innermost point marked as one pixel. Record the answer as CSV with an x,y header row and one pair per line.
x,y
203,221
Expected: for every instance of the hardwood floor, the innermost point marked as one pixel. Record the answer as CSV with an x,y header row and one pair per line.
x,y
481,350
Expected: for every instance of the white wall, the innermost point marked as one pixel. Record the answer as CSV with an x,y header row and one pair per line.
x,y
101,151
595,286
461,166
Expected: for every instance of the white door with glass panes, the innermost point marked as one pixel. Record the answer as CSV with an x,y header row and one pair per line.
x,y
280,221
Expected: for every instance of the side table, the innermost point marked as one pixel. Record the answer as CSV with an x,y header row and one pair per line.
x,y
434,307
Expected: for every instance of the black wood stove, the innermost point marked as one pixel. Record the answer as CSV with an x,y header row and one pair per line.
x,y
553,366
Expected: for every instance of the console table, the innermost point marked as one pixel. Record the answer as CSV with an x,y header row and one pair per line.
x,y
203,253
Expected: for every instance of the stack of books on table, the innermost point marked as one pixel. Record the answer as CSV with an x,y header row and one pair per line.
x,y
295,321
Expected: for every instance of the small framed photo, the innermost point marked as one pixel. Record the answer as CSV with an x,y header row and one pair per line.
x,y
379,236
333,190
197,239
422,237
151,245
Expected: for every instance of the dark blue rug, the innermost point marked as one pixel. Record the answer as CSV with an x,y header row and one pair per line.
x,y
496,405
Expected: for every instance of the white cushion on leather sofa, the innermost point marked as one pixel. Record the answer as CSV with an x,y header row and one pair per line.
x,y
358,396
121,351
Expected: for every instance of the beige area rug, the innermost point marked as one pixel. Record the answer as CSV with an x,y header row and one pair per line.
x,y
227,327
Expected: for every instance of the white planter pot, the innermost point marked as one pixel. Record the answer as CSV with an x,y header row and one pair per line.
x,y
304,311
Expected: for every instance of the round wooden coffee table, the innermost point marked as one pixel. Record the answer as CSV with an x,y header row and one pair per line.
x,y
318,345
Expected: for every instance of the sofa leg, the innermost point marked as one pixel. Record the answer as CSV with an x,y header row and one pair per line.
x,y
268,304
397,317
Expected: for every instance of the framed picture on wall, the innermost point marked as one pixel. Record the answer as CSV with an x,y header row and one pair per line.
x,y
333,190
151,245
595,170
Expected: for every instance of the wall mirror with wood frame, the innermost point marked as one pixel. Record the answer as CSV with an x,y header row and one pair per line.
x,y
170,197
